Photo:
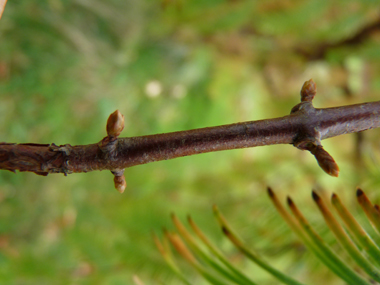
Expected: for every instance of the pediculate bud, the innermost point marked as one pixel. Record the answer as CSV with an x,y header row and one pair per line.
x,y
115,124
308,91
120,183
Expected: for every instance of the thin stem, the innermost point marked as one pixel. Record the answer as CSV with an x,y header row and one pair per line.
x,y
305,127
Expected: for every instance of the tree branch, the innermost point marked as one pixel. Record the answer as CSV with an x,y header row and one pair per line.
x,y
305,127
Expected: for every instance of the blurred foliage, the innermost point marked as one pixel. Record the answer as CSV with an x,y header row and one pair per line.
x,y
362,266
168,66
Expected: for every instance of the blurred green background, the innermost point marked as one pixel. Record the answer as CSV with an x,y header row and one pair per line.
x,y
172,65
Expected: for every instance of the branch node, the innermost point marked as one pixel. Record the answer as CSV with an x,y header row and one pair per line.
x,y
309,136
65,151
108,145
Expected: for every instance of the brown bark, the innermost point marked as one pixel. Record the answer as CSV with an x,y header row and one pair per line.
x,y
305,127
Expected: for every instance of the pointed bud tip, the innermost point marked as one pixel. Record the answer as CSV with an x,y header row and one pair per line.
x,y
308,91
326,161
115,124
359,192
334,172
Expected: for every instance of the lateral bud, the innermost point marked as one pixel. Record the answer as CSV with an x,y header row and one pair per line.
x,y
326,162
119,180
115,124
308,91
120,183
324,159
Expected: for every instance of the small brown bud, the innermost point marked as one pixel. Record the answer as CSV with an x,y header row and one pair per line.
x,y
120,183
324,159
308,91
326,162
115,124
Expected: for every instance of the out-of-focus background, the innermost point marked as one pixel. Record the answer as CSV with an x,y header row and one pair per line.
x,y
173,65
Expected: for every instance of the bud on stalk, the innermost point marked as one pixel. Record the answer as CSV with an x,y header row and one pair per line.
x,y
115,124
